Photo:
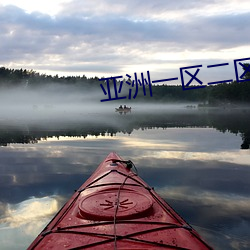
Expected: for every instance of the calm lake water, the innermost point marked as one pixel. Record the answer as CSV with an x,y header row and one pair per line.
x,y
197,160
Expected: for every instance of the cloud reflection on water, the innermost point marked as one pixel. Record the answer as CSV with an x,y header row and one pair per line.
x,y
21,222
29,211
208,185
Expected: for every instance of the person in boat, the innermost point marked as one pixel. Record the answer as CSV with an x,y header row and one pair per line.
x,y
125,107
120,107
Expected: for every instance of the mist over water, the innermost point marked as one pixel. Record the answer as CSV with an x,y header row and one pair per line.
x,y
30,114
64,103
51,102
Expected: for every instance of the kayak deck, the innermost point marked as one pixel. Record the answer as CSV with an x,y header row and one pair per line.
x,y
116,209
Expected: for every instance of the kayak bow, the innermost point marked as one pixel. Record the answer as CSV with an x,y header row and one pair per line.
x,y
116,209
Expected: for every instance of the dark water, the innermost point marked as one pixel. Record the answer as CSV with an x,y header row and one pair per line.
x,y
197,160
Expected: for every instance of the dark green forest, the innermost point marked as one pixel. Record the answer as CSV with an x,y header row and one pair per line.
x,y
220,94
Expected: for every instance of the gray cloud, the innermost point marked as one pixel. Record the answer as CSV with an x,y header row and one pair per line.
x,y
119,35
131,8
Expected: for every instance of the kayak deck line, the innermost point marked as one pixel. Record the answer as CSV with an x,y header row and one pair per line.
x,y
124,222
114,183
116,209
120,237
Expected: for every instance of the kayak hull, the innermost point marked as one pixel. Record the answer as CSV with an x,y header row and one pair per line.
x,y
116,209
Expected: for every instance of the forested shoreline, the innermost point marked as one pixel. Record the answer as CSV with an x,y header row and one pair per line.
x,y
220,94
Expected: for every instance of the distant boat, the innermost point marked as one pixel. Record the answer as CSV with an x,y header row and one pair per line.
x,y
125,110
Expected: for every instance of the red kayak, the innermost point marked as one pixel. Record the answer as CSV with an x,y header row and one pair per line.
x,y
116,209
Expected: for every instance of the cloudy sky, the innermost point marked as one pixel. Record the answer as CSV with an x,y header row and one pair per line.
x,y
110,37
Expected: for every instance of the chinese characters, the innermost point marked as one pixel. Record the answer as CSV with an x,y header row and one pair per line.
x,y
193,83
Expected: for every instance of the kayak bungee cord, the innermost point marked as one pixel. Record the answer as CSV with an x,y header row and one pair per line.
x,y
129,165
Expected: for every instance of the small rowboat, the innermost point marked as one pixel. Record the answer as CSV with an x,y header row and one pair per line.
x,y
125,110
116,209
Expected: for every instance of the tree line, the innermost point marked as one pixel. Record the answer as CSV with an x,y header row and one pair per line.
x,y
31,78
224,93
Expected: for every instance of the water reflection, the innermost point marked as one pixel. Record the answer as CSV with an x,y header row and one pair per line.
x,y
31,210
21,221
198,169
235,121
